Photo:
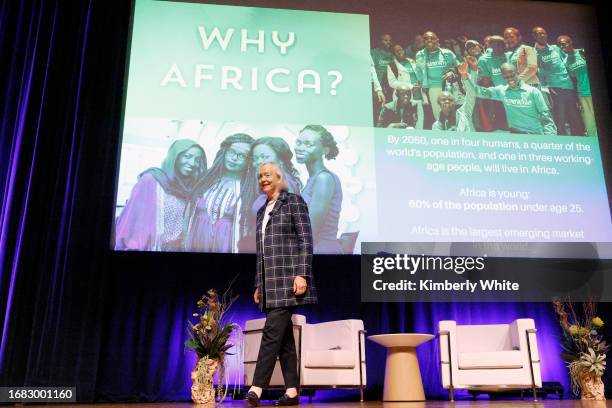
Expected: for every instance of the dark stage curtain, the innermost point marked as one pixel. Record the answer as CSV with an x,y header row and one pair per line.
x,y
72,312
61,79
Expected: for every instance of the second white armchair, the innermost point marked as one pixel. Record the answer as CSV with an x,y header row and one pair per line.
x,y
489,357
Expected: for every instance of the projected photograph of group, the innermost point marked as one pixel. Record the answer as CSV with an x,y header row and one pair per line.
x,y
409,131
193,185
505,82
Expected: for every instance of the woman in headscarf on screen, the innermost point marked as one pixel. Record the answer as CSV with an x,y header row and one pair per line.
x,y
323,191
156,214
264,150
214,226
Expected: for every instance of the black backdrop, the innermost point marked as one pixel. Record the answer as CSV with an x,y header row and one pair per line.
x,y
72,311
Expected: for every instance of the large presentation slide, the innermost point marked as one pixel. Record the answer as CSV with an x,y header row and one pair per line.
x,y
441,139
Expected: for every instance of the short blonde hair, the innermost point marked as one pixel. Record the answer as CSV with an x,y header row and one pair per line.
x,y
284,186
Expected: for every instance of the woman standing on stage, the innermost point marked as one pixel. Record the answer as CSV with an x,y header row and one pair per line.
x,y
283,280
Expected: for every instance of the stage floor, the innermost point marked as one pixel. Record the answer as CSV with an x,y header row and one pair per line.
x,y
548,403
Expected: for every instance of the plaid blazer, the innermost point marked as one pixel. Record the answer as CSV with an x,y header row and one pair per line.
x,y
285,253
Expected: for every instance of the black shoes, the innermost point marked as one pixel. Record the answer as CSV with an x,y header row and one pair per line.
x,y
286,400
252,400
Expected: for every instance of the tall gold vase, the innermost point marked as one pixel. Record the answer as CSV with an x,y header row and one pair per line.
x,y
203,387
591,387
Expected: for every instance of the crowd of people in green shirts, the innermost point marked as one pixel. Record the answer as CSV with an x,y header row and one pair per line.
x,y
503,84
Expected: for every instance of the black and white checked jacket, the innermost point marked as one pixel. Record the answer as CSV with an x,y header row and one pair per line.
x,y
285,253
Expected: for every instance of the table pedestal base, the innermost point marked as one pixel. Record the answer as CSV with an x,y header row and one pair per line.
x,y
403,376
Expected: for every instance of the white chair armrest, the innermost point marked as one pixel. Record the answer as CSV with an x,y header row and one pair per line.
x,y
258,324
254,324
520,330
447,335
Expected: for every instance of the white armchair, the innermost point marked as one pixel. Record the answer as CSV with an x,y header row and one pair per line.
x,y
330,354
489,357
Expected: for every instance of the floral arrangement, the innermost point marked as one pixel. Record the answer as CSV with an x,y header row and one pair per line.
x,y
209,339
585,348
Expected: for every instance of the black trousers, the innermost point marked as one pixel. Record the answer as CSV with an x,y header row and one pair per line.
x,y
277,340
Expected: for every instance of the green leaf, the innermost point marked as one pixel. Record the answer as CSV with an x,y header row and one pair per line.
x,y
191,343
